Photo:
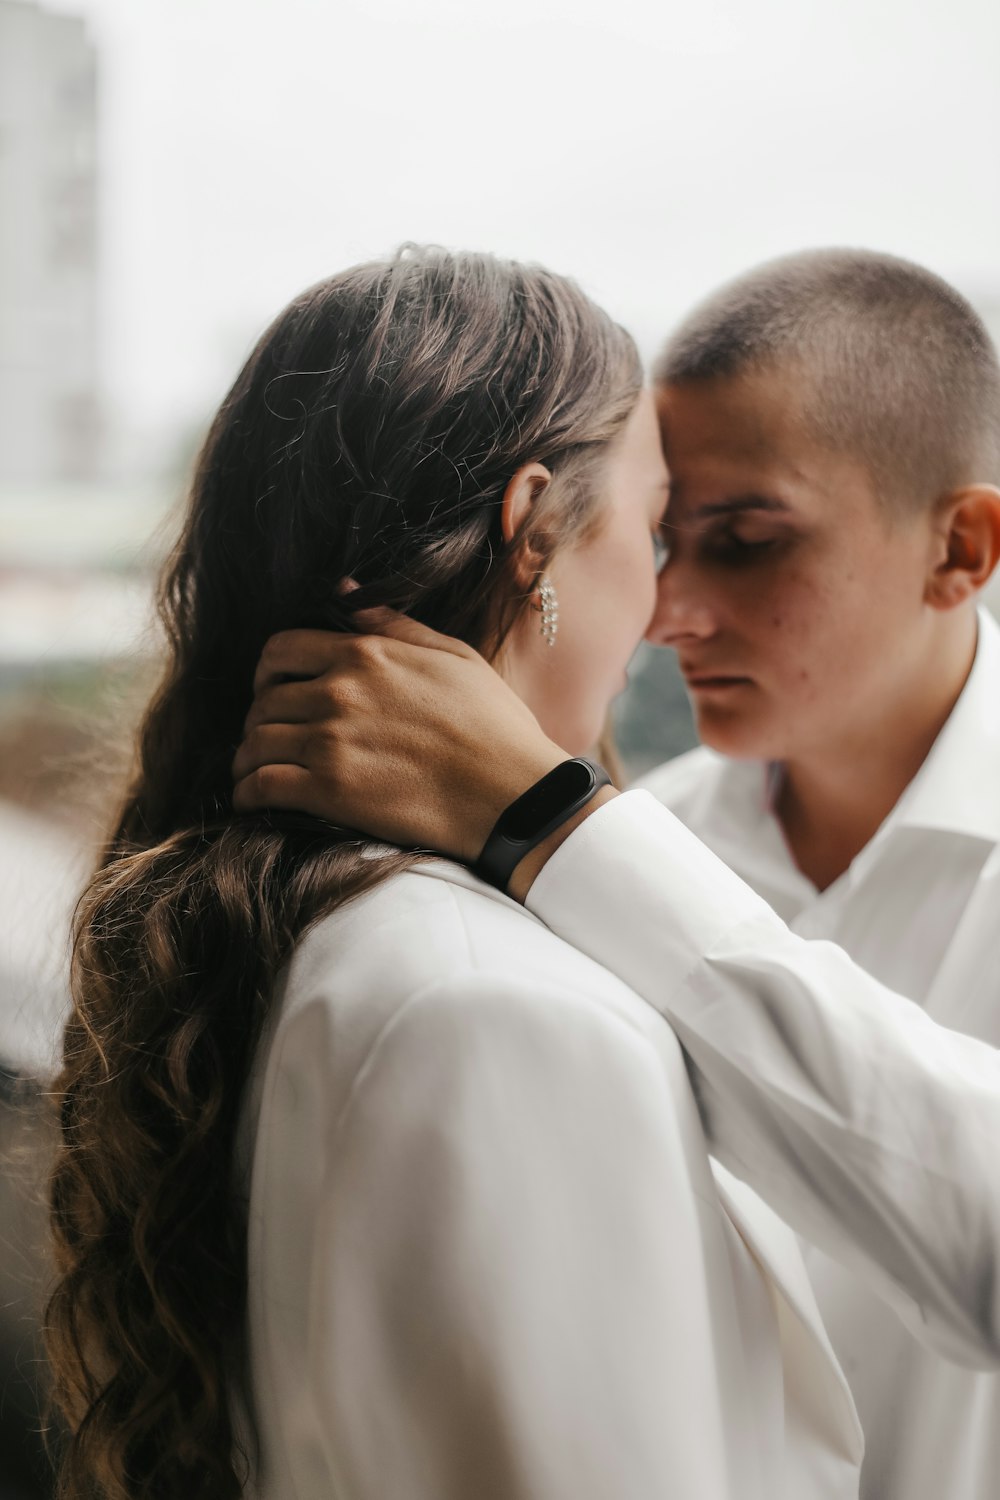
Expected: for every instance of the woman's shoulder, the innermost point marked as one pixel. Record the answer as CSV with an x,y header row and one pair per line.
x,y
432,1009
448,951
437,922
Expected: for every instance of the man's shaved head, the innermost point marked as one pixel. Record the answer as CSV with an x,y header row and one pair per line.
x,y
895,366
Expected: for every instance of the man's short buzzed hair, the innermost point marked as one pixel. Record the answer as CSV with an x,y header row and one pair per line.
x,y
896,366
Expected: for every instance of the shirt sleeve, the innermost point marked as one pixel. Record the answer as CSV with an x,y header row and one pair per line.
x,y
873,1131
509,1295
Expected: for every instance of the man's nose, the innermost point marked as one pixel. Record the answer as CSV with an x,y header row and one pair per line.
x,y
683,610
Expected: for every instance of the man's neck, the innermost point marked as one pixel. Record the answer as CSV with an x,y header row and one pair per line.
x,y
832,804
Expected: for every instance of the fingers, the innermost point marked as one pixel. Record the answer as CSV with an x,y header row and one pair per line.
x,y
389,622
306,680
310,653
297,653
283,787
287,703
271,744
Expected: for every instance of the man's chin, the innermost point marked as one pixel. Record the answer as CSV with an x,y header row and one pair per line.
x,y
735,735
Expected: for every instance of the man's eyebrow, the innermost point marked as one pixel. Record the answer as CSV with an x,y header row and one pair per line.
x,y
736,505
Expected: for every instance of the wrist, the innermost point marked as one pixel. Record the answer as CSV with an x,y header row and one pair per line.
x,y
501,784
537,821
533,863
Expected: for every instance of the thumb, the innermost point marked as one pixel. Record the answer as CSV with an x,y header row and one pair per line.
x,y
380,620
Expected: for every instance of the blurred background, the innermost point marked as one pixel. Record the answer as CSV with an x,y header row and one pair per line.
x,y
173,171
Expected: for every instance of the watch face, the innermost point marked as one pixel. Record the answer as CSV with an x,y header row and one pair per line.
x,y
546,800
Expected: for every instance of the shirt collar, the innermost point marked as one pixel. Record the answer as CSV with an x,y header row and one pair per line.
x,y
957,789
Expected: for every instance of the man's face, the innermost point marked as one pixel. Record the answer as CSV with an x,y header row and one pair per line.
x,y
795,606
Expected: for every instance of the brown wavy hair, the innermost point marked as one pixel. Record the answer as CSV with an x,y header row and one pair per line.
x,y
370,435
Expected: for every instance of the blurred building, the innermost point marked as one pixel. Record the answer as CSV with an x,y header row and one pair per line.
x,y
49,422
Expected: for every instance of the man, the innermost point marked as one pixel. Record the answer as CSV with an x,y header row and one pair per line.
x,y
832,427
822,419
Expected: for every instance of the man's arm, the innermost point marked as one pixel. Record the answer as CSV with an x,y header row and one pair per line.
x,y
874,1132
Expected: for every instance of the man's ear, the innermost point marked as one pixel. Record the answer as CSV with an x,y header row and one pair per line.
x,y
967,545
523,492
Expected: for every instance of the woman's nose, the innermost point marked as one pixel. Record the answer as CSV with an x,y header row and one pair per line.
x,y
683,610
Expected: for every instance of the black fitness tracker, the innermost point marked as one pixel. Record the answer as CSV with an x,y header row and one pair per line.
x,y
538,812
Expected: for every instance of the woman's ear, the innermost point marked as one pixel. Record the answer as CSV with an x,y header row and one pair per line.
x,y
523,492
967,534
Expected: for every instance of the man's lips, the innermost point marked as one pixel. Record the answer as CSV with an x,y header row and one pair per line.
x,y
704,679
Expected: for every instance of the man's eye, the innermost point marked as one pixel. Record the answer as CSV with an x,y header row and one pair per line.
x,y
661,550
729,546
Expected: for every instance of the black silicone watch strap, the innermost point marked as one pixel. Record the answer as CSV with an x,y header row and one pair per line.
x,y
538,812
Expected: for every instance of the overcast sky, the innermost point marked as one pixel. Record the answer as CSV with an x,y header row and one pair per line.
x,y
650,149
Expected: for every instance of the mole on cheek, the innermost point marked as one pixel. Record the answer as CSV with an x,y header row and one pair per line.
x,y
777,621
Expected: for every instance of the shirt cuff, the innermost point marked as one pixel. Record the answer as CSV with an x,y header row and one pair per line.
x,y
632,863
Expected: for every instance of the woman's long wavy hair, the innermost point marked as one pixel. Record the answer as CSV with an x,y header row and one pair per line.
x,y
370,435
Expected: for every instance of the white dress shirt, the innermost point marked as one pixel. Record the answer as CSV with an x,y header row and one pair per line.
x,y
488,1256
919,908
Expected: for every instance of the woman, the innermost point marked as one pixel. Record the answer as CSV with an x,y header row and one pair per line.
x,y
483,1252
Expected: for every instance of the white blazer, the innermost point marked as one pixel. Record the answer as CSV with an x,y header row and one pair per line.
x,y
488,1258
